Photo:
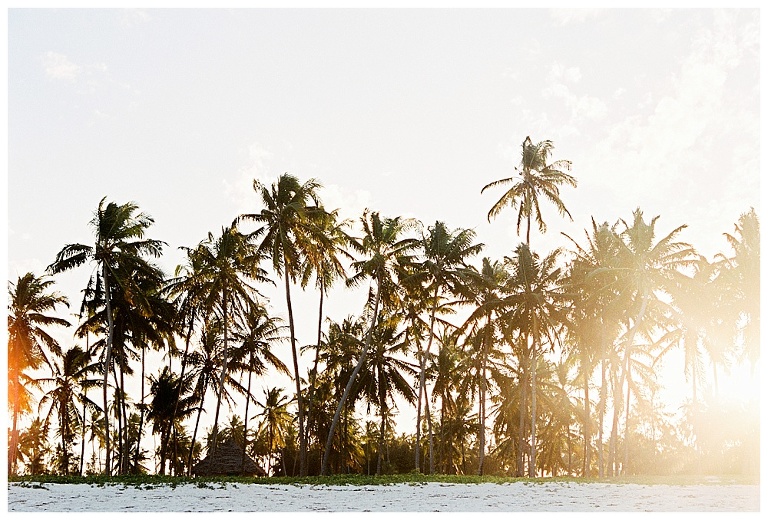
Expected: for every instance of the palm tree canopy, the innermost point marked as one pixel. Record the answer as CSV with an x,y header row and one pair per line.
x,y
538,177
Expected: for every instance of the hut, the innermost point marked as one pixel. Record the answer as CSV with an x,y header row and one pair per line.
x,y
228,460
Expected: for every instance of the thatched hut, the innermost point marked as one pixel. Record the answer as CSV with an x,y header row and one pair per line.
x,y
228,460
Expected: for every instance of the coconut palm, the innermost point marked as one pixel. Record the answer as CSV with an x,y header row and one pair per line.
x,y
323,260
743,274
29,344
275,421
289,227
536,308
229,265
591,285
120,249
256,335
442,273
385,250
538,178
485,293
69,378
646,267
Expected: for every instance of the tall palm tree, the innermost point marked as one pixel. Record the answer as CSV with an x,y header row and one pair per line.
x,y
537,178
289,224
646,267
29,302
591,285
68,379
743,272
536,308
442,272
120,249
485,294
385,250
323,260
229,267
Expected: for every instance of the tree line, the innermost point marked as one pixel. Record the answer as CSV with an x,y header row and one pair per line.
x,y
530,365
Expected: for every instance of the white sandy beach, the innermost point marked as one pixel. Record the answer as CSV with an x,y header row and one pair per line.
x,y
427,497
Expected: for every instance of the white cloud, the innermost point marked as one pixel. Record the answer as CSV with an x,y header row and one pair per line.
x,y
58,66
572,16
580,106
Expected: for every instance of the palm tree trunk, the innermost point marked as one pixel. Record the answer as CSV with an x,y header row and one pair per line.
x,y
141,415
194,432
627,374
482,392
313,374
221,380
532,462
428,413
523,406
245,420
422,379
297,376
585,367
348,388
603,401
107,362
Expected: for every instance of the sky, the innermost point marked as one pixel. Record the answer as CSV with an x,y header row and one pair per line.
x,y
404,111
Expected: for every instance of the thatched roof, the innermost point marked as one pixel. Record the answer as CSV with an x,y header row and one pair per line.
x,y
228,461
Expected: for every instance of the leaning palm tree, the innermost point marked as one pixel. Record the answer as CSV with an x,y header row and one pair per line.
x,y
120,249
385,249
537,178
29,302
289,226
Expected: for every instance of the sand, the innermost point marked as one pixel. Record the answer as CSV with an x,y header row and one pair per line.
x,y
429,497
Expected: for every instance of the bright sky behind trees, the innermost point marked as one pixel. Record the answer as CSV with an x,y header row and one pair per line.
x,y
408,112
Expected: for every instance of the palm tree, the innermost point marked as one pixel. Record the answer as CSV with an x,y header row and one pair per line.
x,y
323,259
386,250
743,272
592,288
275,422
537,178
256,335
119,250
68,380
28,304
646,268
485,293
289,224
171,403
229,265
536,310
441,271
384,375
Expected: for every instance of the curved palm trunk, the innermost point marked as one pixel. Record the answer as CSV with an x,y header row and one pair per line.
x,y
422,383
297,376
194,432
245,421
348,388
107,362
221,381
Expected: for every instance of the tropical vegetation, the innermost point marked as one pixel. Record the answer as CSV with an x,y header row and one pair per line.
x,y
537,364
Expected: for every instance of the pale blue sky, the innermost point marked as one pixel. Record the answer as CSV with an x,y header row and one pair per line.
x,y
408,112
